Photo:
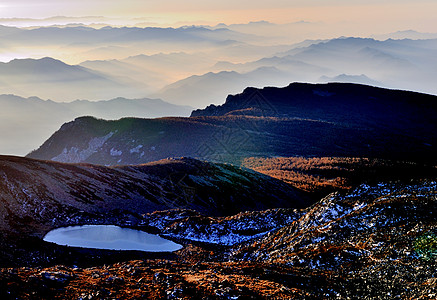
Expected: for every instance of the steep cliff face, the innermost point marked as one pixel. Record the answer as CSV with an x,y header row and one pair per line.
x,y
346,120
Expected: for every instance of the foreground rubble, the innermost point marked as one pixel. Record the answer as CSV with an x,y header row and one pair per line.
x,y
373,242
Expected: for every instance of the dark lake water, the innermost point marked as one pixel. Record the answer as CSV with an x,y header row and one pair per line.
x,y
110,237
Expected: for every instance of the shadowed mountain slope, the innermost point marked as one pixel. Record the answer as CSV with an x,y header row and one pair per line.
x,y
337,119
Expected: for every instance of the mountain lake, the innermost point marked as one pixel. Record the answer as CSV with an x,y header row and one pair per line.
x,y
110,237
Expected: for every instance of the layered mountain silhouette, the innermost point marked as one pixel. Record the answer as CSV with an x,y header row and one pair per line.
x,y
198,66
157,70
335,119
218,85
400,64
406,34
108,34
361,79
50,78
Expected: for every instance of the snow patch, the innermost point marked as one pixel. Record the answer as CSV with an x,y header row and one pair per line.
x,y
115,152
77,155
136,149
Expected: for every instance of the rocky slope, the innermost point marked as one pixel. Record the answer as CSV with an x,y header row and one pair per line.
x,y
190,226
161,279
39,195
375,242
299,120
381,239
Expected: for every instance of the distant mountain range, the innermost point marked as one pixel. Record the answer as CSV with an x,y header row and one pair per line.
x,y
361,79
83,35
52,79
155,70
400,64
218,85
26,122
336,119
223,62
406,34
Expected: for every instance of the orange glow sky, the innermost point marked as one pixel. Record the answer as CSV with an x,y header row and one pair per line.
x,y
364,15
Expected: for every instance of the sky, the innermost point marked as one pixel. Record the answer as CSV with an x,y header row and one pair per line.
x,y
389,14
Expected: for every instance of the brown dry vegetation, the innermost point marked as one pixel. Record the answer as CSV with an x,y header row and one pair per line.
x,y
157,279
323,175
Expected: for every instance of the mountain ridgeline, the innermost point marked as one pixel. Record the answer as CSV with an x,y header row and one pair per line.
x,y
335,119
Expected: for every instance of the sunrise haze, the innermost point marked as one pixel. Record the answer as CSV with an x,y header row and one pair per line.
x,y
361,16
